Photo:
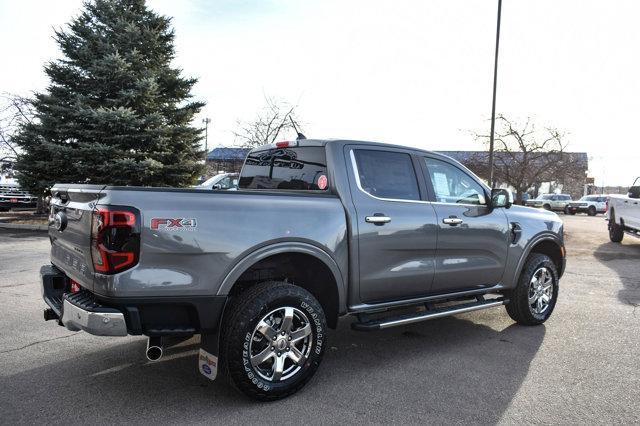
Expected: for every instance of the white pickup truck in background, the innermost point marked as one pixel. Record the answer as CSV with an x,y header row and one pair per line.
x,y
623,213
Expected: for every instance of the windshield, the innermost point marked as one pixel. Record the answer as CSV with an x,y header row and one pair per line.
x,y
211,181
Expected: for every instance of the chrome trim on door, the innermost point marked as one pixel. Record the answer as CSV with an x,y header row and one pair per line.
x,y
377,219
452,221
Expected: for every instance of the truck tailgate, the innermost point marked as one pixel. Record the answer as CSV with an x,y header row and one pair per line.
x,y
70,230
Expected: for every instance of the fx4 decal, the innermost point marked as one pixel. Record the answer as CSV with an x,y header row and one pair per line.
x,y
173,224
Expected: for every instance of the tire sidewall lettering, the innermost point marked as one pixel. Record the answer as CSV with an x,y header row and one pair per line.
x,y
318,331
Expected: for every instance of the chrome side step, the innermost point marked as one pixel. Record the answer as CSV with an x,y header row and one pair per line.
x,y
389,322
383,306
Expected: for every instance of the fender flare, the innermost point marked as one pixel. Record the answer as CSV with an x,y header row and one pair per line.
x,y
285,247
527,251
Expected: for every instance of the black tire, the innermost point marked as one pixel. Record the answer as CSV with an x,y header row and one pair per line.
x,y
547,207
616,232
591,211
572,212
240,334
519,307
566,210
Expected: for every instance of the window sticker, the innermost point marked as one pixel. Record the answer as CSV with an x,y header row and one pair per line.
x,y
440,184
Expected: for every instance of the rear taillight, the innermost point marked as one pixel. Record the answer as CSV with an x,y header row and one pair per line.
x,y
74,287
115,238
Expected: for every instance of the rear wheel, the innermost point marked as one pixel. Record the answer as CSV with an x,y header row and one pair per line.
x,y
546,207
273,340
591,211
535,296
616,232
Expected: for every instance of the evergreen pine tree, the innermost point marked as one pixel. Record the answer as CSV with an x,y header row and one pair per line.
x,y
116,112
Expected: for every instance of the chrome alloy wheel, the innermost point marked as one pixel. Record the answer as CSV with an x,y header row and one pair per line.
x,y
280,344
540,291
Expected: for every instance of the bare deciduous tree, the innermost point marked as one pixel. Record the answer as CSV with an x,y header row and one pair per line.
x,y
526,156
276,118
14,111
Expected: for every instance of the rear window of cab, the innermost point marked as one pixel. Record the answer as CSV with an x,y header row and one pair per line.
x,y
297,168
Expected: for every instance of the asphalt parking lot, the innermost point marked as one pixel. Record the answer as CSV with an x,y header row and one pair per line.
x,y
581,366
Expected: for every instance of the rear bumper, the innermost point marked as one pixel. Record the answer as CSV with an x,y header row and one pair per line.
x,y
99,322
79,311
100,316
583,209
19,203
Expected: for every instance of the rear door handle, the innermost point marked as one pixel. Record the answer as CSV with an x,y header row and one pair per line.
x,y
377,220
452,221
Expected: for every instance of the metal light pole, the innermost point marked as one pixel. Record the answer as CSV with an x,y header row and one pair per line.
x,y
493,103
206,122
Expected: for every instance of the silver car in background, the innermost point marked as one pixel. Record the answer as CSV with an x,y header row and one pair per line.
x,y
589,204
223,181
555,202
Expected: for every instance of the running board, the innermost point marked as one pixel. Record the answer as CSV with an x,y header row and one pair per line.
x,y
632,233
427,315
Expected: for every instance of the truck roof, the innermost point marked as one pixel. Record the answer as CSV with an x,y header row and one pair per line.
x,y
324,142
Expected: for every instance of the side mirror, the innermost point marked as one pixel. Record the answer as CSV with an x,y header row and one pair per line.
x,y
501,198
634,192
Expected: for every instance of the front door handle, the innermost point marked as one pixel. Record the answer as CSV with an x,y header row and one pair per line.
x,y
452,221
377,220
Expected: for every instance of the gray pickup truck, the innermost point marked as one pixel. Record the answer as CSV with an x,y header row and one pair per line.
x,y
317,230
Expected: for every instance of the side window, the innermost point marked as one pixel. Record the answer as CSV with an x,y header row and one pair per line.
x,y
225,183
452,185
386,174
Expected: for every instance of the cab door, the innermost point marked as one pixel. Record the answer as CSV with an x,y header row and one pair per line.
x,y
396,225
473,238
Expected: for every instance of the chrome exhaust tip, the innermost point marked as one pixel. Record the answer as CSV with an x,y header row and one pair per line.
x,y
154,348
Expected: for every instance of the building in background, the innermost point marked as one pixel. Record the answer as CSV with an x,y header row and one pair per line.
x,y
223,159
570,177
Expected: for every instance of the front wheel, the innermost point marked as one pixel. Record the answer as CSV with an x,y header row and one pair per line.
x,y
616,232
274,340
535,296
592,211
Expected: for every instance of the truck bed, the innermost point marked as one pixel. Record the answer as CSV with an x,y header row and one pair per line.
x,y
221,227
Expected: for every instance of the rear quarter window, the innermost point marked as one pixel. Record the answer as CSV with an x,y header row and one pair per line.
x,y
298,168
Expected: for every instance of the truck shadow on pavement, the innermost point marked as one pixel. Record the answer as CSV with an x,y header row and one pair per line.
x,y
623,260
453,369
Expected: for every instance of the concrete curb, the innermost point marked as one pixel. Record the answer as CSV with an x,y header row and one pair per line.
x,y
24,226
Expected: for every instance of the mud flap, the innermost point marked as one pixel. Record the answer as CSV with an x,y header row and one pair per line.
x,y
208,356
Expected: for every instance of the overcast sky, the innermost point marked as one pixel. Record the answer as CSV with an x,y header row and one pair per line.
x,y
414,73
